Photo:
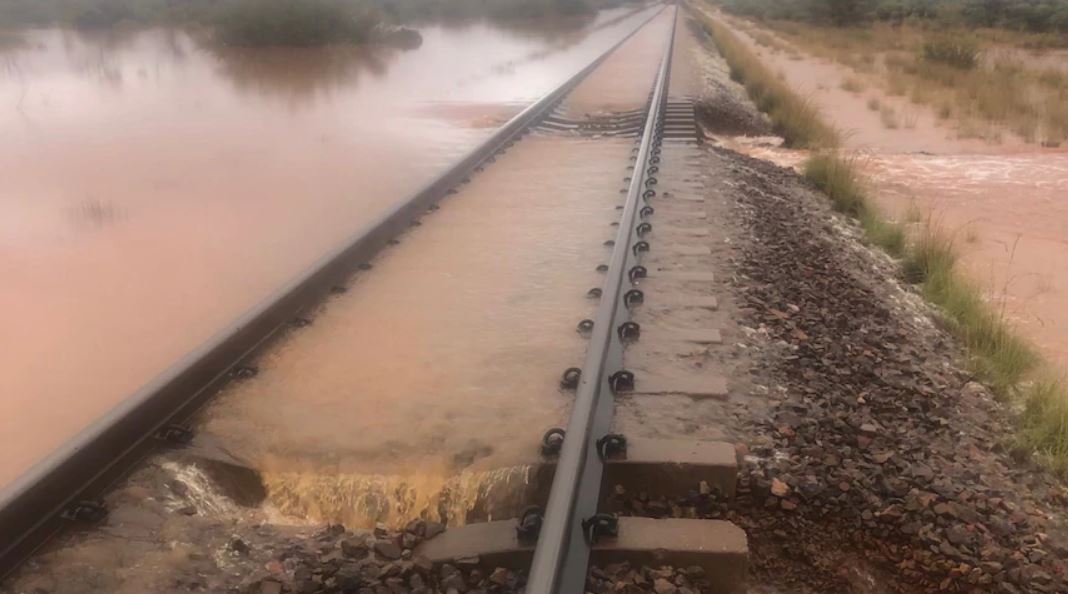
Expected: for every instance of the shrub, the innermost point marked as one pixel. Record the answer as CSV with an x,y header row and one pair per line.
x,y
1045,423
295,23
958,51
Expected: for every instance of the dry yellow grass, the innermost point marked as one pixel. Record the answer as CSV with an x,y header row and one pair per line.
x,y
949,71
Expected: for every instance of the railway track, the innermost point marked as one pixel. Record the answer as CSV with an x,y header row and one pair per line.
x,y
567,526
587,459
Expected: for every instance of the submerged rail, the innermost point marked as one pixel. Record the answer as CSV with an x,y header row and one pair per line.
x,y
66,487
571,524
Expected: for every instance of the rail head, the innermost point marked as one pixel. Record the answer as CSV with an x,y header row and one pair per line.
x,y
62,487
570,523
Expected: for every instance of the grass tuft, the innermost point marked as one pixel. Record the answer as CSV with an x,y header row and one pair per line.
x,y
932,254
958,51
999,356
888,235
838,177
1045,423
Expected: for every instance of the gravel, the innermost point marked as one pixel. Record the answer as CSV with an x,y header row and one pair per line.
x,y
881,466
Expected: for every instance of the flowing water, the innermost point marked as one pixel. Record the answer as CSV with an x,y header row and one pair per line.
x,y
446,356
155,186
424,390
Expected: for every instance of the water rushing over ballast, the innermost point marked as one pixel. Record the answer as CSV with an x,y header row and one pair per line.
x,y
156,186
439,366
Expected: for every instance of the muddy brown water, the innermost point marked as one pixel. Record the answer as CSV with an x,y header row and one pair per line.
x,y
1004,205
155,187
443,360
423,389
434,377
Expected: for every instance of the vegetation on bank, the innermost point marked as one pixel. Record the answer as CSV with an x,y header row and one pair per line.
x,y
1006,362
793,117
1020,15
966,59
281,22
983,80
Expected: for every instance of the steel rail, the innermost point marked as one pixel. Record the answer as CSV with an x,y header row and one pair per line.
x,y
45,499
566,536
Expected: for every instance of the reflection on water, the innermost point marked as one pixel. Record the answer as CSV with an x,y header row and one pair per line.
x,y
301,73
155,187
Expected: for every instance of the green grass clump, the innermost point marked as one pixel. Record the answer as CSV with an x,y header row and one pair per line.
x,y
888,235
796,119
932,253
839,178
294,23
958,51
1045,423
999,356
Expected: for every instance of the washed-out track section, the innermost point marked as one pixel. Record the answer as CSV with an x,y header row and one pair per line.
x,y
571,520
66,489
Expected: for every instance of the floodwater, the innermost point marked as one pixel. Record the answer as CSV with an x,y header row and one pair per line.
x,y
155,187
434,377
623,81
422,390
1005,205
1008,215
445,358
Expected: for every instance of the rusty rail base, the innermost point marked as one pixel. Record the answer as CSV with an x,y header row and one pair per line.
x,y
43,502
